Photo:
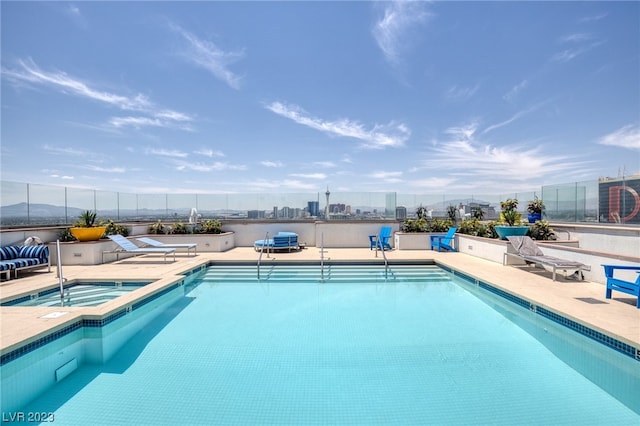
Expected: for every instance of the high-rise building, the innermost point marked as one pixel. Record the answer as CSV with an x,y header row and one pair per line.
x,y
314,208
401,212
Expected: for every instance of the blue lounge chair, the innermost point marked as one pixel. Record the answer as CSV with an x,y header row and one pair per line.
x,y
381,240
440,242
126,246
280,241
618,284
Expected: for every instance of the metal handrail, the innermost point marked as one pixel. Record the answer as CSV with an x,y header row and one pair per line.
x,y
384,255
266,237
322,257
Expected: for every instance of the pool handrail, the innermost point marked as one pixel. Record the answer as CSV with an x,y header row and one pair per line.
x,y
384,255
266,237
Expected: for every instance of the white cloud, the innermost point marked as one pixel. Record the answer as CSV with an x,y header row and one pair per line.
x,y
378,137
280,184
392,31
167,153
29,72
385,175
325,164
513,118
515,90
209,153
105,169
267,163
457,93
207,55
212,167
318,176
464,154
625,137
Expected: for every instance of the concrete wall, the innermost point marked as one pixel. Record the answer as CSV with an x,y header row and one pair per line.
x,y
623,240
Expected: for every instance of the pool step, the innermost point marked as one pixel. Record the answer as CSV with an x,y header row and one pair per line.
x,y
80,295
335,273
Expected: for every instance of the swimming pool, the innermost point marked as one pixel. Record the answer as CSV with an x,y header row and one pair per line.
x,y
78,293
400,350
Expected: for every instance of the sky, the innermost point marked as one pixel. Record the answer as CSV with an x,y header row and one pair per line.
x,y
278,97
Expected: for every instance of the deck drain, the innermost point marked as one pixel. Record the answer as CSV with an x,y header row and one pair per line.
x,y
56,314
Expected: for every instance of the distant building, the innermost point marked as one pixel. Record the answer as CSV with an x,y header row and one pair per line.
x,y
314,208
401,212
255,214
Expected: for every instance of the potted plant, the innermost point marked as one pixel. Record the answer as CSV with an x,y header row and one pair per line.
x,y
510,220
535,208
86,229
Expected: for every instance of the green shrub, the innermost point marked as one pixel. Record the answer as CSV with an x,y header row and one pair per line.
x,y
156,228
115,229
66,236
542,231
179,228
414,225
212,226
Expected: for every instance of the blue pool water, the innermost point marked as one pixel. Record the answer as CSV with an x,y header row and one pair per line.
x,y
419,348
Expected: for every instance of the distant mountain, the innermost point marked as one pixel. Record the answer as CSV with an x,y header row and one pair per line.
x,y
38,210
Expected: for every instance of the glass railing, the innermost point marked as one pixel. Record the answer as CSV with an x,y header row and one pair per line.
x,y
36,204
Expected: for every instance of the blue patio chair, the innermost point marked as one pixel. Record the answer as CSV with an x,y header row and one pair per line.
x,y
440,242
381,240
629,287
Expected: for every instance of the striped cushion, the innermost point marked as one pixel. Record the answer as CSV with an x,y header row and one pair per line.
x,y
6,265
40,252
9,252
21,263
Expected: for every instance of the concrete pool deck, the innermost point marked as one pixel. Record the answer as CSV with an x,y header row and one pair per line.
x,y
580,301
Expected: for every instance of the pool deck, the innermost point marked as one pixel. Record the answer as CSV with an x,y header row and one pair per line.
x,y
580,301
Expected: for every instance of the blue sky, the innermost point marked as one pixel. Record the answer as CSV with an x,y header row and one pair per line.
x,y
412,97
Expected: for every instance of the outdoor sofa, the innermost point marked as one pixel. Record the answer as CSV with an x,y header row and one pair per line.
x,y
16,258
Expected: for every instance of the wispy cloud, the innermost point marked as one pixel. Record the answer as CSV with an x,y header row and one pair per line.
x,y
457,93
206,54
317,176
167,153
513,118
275,164
293,184
141,122
515,90
28,72
325,164
393,30
210,153
625,137
514,162
581,43
74,13
208,167
378,137
100,169
593,18
389,177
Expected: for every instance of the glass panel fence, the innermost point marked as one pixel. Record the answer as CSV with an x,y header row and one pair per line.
x,y
605,201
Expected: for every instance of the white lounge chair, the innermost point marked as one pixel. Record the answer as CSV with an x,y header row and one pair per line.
x,y
150,242
529,252
126,246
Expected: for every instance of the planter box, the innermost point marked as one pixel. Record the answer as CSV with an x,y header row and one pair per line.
x,y
413,240
90,253
206,242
